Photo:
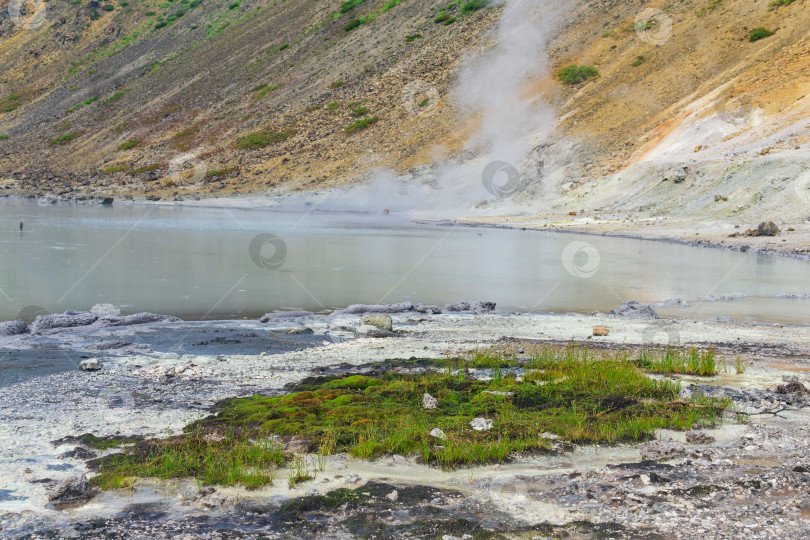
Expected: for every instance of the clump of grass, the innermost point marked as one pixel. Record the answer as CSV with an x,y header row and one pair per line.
x,y
234,459
350,5
474,5
336,84
224,171
183,139
777,3
84,103
261,91
131,143
691,361
148,168
412,38
4,137
638,61
62,139
576,74
354,23
759,33
333,106
359,111
261,139
360,125
112,169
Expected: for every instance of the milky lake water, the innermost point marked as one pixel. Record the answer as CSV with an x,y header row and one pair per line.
x,y
215,263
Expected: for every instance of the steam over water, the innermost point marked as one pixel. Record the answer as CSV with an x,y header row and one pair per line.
x,y
198,263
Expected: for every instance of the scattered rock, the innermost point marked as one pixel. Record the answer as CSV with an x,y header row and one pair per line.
x,y
635,310
302,331
381,321
439,434
13,328
481,424
105,310
284,315
91,364
662,450
601,330
394,495
211,498
352,478
80,452
793,387
429,402
548,436
74,490
107,201
367,330
698,437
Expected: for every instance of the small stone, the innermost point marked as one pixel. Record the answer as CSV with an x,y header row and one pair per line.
x,y
91,364
548,436
601,330
429,402
767,228
367,330
73,490
394,495
662,450
401,460
298,446
481,424
352,479
439,434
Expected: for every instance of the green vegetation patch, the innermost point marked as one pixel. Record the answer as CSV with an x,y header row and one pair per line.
x,y
224,171
4,137
759,33
62,139
360,125
261,91
412,38
131,143
261,139
638,61
350,5
105,443
112,169
84,103
576,74
576,394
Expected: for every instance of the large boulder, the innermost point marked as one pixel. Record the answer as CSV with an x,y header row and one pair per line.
x,y
381,321
74,490
635,310
662,450
13,328
68,319
767,228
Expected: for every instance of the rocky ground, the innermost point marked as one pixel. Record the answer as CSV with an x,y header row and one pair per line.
x,y
748,476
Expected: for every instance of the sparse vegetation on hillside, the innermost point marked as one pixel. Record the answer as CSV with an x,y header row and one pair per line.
x,y
261,139
62,139
131,143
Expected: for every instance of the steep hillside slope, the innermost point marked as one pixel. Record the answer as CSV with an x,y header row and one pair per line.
x,y
103,98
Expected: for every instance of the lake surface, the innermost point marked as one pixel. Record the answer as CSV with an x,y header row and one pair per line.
x,y
214,263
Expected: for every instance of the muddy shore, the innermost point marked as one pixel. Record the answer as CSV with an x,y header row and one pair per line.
x,y
751,479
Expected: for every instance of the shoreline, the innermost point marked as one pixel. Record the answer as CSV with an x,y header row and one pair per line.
x,y
130,396
742,244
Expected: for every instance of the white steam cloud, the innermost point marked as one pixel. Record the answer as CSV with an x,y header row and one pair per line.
x,y
491,91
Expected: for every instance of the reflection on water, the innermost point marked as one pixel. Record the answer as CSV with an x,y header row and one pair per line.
x,y
211,263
